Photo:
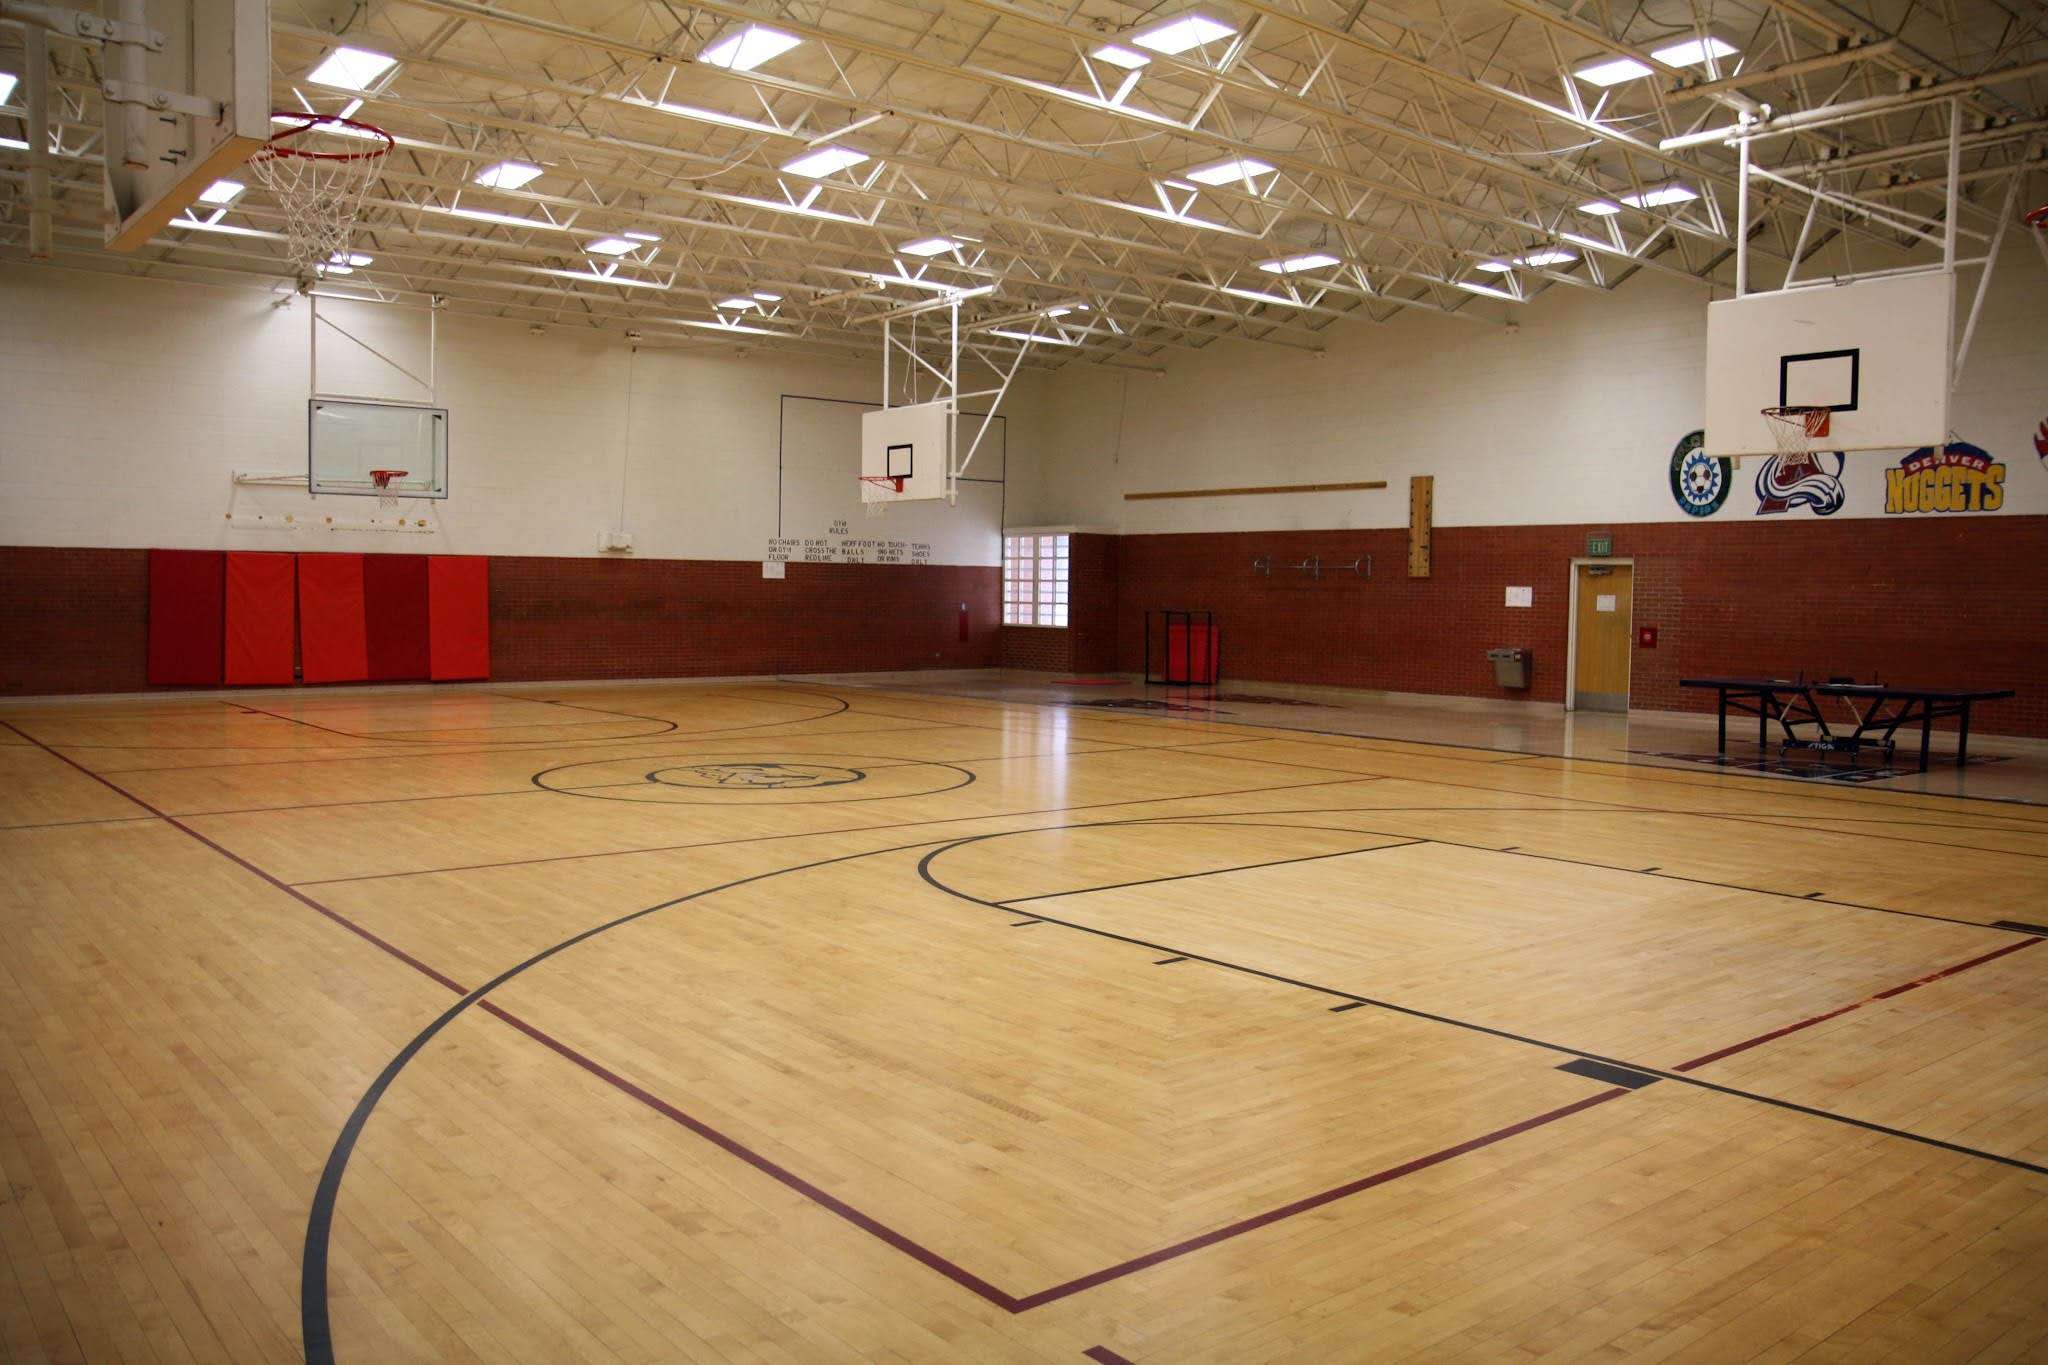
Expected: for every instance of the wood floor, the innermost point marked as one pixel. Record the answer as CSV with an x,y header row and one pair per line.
x,y
755,1022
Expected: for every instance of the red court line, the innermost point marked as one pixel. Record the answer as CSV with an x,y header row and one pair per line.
x,y
789,1179
1763,1038
1314,1201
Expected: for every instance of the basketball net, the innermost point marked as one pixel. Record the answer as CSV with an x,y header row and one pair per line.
x,y
319,170
1797,430
877,491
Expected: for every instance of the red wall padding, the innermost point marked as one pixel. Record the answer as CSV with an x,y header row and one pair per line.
x,y
332,643
395,605
262,620
459,616
186,589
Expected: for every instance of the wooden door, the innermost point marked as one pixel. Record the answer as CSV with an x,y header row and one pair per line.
x,y
1602,637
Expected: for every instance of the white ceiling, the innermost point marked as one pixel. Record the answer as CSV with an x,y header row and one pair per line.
x,y
1416,143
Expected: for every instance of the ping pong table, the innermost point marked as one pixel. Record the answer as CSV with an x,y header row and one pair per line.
x,y
1878,710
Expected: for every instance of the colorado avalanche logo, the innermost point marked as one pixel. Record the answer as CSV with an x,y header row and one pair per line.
x,y
2041,442
1788,481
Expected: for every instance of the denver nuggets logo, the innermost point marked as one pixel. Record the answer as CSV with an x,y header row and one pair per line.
x,y
757,776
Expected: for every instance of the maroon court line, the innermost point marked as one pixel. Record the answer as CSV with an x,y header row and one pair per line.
x,y
1763,1038
1314,1201
790,1180
250,867
1102,1355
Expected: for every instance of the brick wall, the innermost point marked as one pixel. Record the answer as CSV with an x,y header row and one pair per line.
x,y
73,620
636,618
1929,601
76,620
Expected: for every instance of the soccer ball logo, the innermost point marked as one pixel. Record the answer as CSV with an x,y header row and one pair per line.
x,y
1699,481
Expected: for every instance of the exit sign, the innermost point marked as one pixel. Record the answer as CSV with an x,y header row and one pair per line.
x,y
1599,547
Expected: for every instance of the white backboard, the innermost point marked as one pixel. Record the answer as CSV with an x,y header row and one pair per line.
x,y
159,160
913,443
1875,351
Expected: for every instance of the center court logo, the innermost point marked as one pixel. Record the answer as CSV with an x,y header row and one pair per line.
x,y
756,776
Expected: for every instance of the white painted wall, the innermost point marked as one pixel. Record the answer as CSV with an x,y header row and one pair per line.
x,y
1571,416
128,404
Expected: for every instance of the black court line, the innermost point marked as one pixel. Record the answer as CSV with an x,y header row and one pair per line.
x,y
315,1323
1762,785
1186,876
924,871
73,824
823,833
1597,805
1521,852
476,751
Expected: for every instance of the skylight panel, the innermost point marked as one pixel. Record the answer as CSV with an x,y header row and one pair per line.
x,y
1223,172
1552,256
221,191
1602,208
609,246
7,83
1612,72
1183,34
507,175
352,68
1694,52
748,48
1120,56
823,162
930,246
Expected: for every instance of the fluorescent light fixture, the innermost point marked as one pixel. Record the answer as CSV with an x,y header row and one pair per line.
x,y
221,191
1693,52
930,246
487,216
13,144
351,68
823,162
1541,258
1601,208
723,325
352,258
748,48
1613,72
7,81
1027,336
1288,265
1120,56
608,246
1256,297
765,297
1485,289
640,236
333,269
1494,267
609,275
1182,34
1657,199
508,175
214,224
1223,172
737,302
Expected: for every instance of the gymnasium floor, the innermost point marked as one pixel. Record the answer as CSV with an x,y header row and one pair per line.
x,y
821,1021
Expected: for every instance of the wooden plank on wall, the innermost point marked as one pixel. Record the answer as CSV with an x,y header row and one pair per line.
x,y
1421,511
1253,492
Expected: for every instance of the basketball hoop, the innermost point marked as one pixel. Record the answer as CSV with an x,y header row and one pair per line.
x,y
875,504
386,499
319,169
1798,430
